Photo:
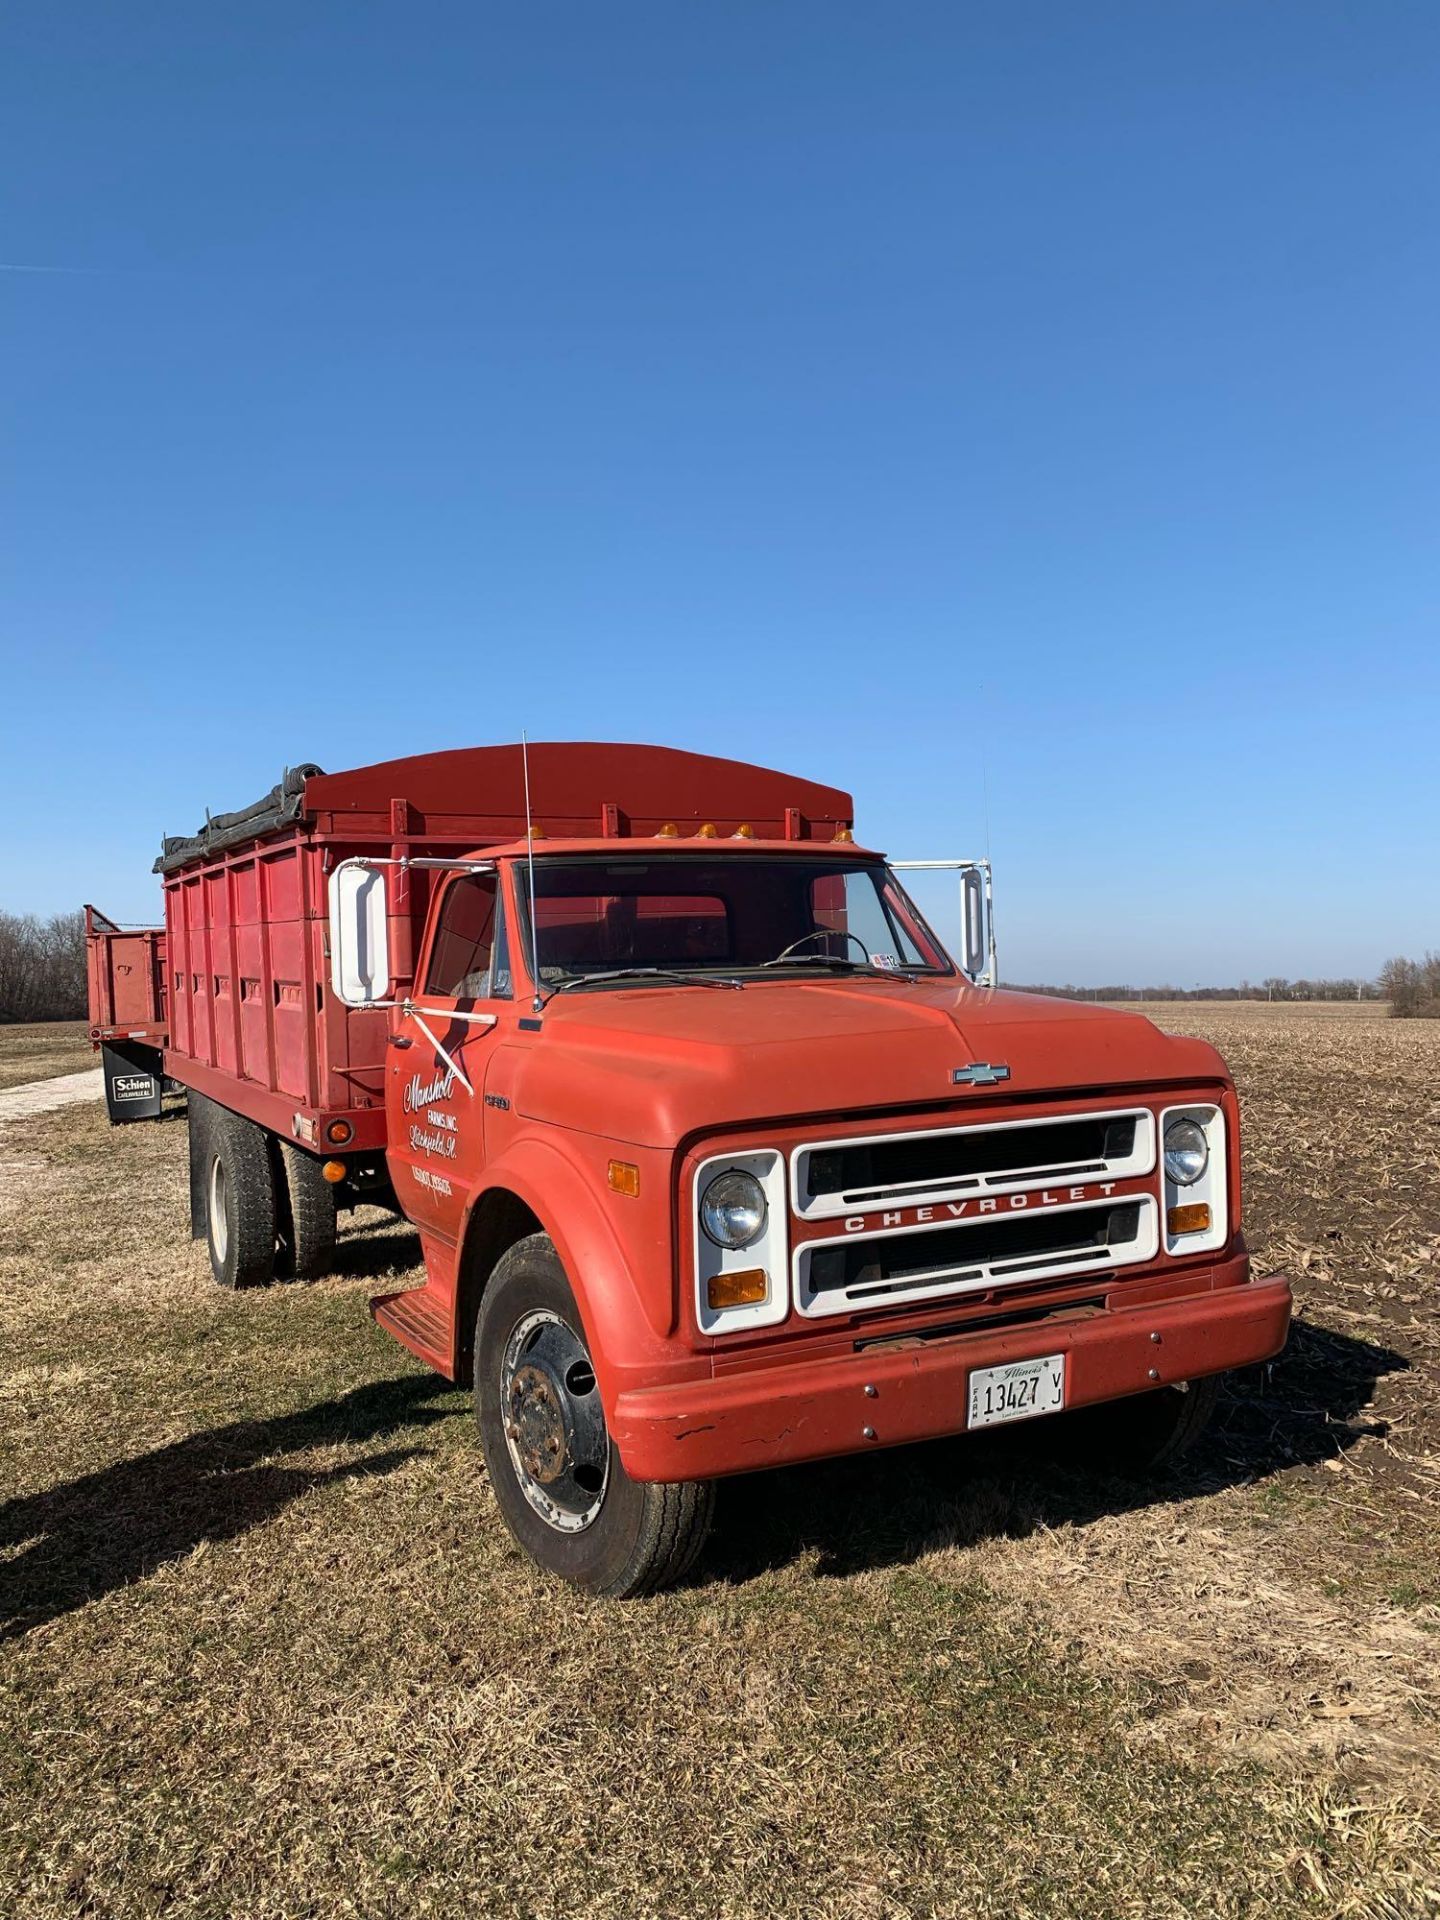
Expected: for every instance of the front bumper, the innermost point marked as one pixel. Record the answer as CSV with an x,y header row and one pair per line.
x,y
810,1410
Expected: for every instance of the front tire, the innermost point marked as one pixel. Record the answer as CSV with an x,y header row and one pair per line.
x,y
557,1476
239,1189
1148,1432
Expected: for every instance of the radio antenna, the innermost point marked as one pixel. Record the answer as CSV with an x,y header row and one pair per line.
x,y
530,868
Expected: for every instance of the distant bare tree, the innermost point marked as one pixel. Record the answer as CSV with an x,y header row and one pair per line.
x,y
1412,987
42,967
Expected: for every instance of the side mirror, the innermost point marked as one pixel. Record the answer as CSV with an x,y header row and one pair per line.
x,y
972,922
359,934
977,917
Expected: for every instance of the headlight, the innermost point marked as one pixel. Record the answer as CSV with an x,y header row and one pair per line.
x,y
732,1209
1187,1152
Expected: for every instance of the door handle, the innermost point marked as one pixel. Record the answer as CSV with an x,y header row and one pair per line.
x,y
400,1040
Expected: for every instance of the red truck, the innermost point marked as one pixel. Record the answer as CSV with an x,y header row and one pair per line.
x,y
718,1159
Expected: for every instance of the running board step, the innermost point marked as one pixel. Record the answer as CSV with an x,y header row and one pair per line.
x,y
419,1321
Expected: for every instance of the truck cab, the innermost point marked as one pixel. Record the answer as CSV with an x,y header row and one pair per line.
x,y
720,1161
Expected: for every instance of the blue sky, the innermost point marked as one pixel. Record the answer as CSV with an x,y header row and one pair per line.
x,y
922,397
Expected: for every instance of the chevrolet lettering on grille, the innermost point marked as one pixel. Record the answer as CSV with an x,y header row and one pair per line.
x,y
1000,1203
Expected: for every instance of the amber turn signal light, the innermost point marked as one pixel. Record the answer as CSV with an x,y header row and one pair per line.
x,y
746,1288
334,1171
1192,1219
339,1133
624,1178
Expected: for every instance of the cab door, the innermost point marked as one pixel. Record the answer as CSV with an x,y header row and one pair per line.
x,y
441,1043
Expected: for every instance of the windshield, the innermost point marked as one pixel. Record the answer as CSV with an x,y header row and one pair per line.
x,y
692,914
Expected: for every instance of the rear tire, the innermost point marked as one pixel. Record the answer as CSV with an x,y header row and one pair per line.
x,y
577,1513
304,1216
239,1190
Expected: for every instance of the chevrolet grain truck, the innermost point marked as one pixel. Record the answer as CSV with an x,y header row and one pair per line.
x,y
718,1159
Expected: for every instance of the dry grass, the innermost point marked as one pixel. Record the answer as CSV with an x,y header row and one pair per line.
x,y
271,1653
41,1050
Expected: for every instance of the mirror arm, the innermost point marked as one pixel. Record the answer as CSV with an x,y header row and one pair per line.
x,y
407,861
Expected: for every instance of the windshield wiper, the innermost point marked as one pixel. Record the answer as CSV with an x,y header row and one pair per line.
x,y
834,963
674,974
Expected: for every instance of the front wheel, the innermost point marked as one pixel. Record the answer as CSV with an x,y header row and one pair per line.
x,y
1147,1431
557,1476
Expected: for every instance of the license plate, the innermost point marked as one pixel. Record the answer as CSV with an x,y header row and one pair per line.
x,y
1017,1392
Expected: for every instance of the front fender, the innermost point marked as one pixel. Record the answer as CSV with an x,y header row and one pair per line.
x,y
620,1268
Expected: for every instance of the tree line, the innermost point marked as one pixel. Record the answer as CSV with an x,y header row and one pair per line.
x,y
42,967
1412,988
1273,988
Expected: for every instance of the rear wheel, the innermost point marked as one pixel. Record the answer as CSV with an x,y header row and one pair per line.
x,y
239,1190
304,1216
559,1481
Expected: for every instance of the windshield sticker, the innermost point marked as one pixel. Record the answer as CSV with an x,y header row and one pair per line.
x,y
885,960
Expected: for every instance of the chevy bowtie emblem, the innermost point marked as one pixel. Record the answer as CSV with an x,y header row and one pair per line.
x,y
979,1073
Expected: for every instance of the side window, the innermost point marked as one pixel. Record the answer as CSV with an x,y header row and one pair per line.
x,y
469,957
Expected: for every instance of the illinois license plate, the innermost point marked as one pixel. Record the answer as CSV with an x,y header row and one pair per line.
x,y
1016,1392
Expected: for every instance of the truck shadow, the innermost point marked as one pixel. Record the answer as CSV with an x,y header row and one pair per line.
x,y
888,1508
84,1538
388,1255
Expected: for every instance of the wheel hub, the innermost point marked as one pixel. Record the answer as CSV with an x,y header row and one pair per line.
x,y
539,1426
554,1424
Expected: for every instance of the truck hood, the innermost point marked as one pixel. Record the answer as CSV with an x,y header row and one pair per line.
x,y
654,1065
